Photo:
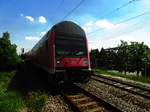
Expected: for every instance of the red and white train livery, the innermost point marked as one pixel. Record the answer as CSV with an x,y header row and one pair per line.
x,y
63,52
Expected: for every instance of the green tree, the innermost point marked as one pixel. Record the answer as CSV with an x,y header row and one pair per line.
x,y
103,58
130,57
94,56
146,59
123,57
138,54
133,57
106,58
8,54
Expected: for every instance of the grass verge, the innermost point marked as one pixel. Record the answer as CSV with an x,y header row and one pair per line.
x,y
128,76
10,101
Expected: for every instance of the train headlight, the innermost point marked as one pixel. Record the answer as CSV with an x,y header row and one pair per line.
x,y
58,63
85,62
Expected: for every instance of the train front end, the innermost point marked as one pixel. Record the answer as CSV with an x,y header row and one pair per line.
x,y
72,60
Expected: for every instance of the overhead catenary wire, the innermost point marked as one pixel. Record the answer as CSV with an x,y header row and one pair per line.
x,y
72,10
80,3
123,21
62,1
117,9
57,8
52,17
140,27
134,17
134,30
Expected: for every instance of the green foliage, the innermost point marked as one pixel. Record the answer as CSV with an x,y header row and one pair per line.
x,y
122,56
10,101
8,54
35,101
5,77
133,57
130,57
94,55
132,77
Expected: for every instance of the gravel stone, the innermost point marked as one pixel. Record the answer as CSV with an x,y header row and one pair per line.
x,y
117,97
56,104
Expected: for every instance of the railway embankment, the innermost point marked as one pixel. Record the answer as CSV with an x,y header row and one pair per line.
x,y
129,78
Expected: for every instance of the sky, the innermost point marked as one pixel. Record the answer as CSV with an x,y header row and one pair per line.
x,y
105,22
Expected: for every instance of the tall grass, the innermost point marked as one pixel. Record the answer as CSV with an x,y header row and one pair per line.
x,y
10,101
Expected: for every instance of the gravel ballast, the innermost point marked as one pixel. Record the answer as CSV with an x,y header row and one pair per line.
x,y
122,99
56,104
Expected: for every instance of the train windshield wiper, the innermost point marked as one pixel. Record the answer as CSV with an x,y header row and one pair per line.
x,y
79,53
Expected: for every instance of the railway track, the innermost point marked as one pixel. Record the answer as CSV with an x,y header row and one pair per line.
x,y
83,101
134,89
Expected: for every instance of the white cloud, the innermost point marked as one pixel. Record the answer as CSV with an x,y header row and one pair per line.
x,y
87,29
114,41
94,44
90,23
137,36
32,38
104,24
30,18
99,43
42,33
88,26
42,19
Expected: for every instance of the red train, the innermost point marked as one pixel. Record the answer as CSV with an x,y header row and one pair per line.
x,y
63,53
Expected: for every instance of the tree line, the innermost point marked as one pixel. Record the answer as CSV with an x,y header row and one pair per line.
x,y
8,53
132,57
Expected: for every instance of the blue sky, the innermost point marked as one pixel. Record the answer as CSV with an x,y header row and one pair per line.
x,y
28,20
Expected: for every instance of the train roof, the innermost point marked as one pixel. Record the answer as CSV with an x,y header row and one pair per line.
x,y
68,28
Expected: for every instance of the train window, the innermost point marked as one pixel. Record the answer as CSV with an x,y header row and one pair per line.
x,y
70,48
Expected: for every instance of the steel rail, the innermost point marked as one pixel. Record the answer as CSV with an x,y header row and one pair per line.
x,y
94,98
121,87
